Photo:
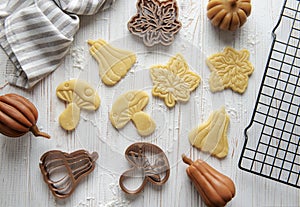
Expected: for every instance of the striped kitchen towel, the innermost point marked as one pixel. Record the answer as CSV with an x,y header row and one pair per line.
x,y
37,34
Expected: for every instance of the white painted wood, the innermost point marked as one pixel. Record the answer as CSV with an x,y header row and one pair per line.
x,y
21,183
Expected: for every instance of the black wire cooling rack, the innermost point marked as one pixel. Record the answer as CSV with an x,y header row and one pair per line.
x,y
271,147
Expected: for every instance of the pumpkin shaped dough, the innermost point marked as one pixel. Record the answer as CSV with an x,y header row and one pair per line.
x,y
211,136
228,14
114,63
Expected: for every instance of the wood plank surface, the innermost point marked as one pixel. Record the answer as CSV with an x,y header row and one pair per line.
x,y
21,183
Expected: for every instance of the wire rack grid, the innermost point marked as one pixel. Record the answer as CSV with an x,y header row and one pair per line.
x,y
272,139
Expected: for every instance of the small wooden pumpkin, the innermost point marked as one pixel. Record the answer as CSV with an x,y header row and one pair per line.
x,y
228,14
214,188
18,116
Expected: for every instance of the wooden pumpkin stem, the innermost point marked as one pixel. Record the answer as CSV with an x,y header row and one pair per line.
x,y
94,156
34,129
186,160
232,3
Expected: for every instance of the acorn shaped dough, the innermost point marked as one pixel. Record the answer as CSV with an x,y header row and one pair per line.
x,y
228,14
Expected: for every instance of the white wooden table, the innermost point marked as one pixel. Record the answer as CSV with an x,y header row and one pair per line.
x,y
21,183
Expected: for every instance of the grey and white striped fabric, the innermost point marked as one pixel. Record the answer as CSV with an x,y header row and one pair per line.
x,y
37,34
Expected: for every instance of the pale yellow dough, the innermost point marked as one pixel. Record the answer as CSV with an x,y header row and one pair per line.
x,y
129,106
113,62
79,95
175,81
230,69
211,136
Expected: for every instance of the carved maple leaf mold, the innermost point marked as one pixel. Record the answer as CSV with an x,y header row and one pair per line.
x,y
156,22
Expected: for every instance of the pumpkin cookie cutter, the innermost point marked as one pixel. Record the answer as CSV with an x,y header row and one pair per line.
x,y
156,21
63,171
153,166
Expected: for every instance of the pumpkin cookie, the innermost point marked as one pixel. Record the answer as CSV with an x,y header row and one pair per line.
x,y
228,14
211,136
156,21
114,63
174,81
230,69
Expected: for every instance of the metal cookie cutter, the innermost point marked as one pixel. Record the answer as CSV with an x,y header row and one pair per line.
x,y
151,161
63,171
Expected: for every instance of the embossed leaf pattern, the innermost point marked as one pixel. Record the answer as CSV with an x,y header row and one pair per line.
x,y
230,69
156,22
174,82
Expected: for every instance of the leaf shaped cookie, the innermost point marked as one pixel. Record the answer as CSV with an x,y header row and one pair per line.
x,y
174,81
229,69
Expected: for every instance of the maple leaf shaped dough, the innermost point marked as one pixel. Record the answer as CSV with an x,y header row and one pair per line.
x,y
156,22
230,69
174,81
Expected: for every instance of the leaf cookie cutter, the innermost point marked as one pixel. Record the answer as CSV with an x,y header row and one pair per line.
x,y
63,171
151,160
156,22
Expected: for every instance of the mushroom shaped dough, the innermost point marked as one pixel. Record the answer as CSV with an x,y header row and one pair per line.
x,y
79,95
129,106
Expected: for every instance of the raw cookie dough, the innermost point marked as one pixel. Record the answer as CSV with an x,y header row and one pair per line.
x,y
211,136
114,63
229,69
174,81
129,106
79,95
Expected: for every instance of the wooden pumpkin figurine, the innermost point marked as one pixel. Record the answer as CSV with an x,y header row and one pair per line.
x,y
18,116
214,188
228,14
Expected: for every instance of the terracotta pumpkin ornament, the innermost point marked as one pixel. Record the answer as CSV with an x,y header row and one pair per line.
x,y
215,189
18,116
228,14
